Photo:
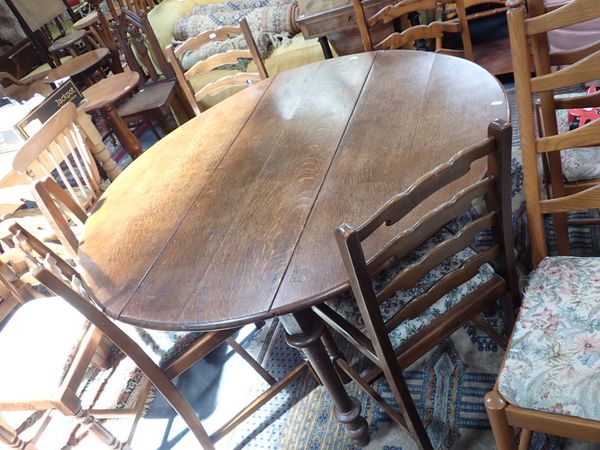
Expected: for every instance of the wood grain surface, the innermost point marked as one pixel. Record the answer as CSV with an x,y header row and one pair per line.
x,y
231,218
76,65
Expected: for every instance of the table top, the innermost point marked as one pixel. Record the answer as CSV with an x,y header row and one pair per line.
x,y
76,65
230,219
109,89
67,41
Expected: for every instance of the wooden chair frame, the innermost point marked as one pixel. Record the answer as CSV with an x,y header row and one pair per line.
x,y
143,54
229,57
376,344
583,66
54,273
64,398
434,30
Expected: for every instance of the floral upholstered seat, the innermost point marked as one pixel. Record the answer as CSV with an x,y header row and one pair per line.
x,y
553,363
347,307
581,164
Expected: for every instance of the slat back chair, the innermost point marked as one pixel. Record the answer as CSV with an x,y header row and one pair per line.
x,y
214,61
583,66
141,48
434,30
45,374
393,317
60,150
60,278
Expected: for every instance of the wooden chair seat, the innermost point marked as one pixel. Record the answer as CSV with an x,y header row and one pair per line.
x,y
347,306
39,349
553,359
153,96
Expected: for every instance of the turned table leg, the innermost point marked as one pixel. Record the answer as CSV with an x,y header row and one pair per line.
x,y
97,147
303,331
130,143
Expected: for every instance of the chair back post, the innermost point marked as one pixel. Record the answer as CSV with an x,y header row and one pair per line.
x,y
182,81
262,70
520,54
363,28
499,166
349,244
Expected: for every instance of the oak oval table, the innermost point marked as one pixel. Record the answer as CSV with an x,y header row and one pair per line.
x,y
77,66
230,219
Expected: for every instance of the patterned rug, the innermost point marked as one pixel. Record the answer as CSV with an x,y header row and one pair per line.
x,y
447,384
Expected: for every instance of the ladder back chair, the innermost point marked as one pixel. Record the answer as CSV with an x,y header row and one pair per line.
x,y
549,375
214,61
434,30
159,363
158,92
426,282
45,373
582,66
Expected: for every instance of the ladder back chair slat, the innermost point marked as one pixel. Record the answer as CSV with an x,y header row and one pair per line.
x,y
533,27
412,264
217,60
434,30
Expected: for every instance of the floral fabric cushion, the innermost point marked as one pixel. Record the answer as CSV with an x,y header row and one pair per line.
x,y
553,363
347,307
581,163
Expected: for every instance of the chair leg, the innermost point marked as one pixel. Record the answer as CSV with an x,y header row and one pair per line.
x,y
503,433
106,437
9,438
525,438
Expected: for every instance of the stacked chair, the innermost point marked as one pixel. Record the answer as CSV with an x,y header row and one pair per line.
x,y
549,379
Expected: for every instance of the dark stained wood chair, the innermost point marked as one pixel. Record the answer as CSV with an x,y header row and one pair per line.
x,y
565,153
426,282
229,57
434,30
158,92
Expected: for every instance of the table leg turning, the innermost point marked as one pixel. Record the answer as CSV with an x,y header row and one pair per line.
x,y
130,143
303,331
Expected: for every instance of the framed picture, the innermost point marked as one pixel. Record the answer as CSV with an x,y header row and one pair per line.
x,y
32,122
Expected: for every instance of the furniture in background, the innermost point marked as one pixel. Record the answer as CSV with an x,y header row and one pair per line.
x,y
214,61
248,176
434,30
137,7
33,20
487,36
419,287
103,95
71,44
540,390
22,90
563,151
294,53
81,68
159,362
159,93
